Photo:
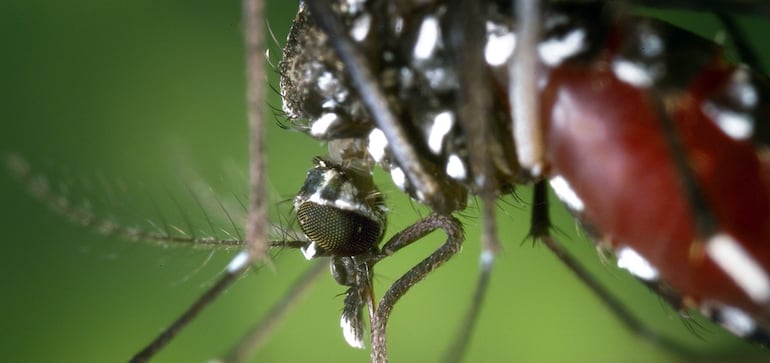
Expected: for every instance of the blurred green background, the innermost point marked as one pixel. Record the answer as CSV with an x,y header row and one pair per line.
x,y
124,106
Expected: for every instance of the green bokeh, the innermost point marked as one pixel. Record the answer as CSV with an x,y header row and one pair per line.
x,y
125,105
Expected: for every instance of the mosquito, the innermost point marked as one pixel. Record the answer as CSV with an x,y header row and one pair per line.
x,y
239,265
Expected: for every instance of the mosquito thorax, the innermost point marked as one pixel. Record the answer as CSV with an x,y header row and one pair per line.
x,y
340,211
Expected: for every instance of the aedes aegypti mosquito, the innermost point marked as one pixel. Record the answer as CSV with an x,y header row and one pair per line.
x,y
552,321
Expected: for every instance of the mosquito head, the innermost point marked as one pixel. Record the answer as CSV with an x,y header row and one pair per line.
x,y
340,211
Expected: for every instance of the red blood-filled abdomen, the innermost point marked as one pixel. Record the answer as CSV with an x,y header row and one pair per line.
x,y
605,139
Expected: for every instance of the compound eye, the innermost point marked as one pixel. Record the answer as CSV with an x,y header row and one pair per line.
x,y
336,231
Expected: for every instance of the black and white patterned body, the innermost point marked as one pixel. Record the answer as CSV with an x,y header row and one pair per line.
x,y
592,65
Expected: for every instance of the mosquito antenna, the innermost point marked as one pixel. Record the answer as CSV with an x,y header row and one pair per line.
x,y
164,226
39,189
206,215
188,223
230,219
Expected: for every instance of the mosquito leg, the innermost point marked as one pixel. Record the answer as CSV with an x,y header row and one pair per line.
x,y
411,234
705,222
738,36
238,265
256,224
527,130
460,343
259,333
467,44
490,247
540,231
753,8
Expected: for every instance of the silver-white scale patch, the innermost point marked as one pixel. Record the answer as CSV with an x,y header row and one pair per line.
x,y
329,104
406,77
237,263
399,178
321,126
738,264
652,45
632,73
420,195
555,50
555,20
566,194
352,336
325,82
355,6
737,125
310,252
361,26
377,144
736,321
630,260
439,78
328,175
343,201
500,44
486,259
398,25
743,89
348,191
480,179
286,108
442,124
455,168
427,38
